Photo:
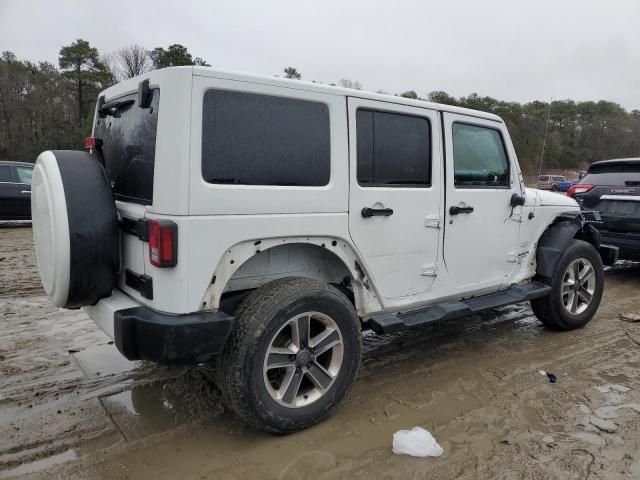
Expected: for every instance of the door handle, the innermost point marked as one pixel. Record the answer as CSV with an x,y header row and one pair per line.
x,y
457,210
376,212
26,191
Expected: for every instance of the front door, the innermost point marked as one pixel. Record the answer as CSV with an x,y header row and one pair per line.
x,y
395,195
481,226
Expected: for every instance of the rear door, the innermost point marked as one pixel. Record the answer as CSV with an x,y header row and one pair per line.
x,y
23,175
481,227
9,194
395,194
128,134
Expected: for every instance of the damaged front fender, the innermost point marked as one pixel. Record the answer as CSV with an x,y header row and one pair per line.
x,y
566,227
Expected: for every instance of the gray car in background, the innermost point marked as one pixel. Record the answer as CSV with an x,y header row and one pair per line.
x,y
551,182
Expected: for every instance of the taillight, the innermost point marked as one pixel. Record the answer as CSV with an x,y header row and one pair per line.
x,y
163,243
578,188
92,142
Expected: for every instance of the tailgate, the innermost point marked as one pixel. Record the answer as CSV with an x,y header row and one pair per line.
x,y
619,208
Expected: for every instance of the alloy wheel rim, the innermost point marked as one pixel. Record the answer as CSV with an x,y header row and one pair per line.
x,y
578,286
303,359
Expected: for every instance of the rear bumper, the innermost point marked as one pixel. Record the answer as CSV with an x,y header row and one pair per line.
x,y
143,334
627,243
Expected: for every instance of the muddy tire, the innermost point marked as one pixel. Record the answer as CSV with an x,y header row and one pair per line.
x,y
576,289
292,355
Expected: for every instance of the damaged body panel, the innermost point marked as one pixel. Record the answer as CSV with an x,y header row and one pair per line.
x,y
558,236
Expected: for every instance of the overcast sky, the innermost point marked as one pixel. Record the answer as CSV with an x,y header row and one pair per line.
x,y
510,49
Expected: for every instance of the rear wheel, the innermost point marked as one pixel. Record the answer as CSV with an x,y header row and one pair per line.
x,y
576,289
292,356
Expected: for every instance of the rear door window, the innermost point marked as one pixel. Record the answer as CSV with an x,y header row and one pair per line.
x,y
128,134
479,157
252,139
394,150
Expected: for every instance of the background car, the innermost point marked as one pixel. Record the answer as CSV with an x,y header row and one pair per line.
x,y
15,190
612,187
551,182
565,186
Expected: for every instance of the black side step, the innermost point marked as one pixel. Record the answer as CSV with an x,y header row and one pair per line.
x,y
392,322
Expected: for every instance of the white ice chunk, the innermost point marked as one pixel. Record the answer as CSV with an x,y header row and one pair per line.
x,y
416,442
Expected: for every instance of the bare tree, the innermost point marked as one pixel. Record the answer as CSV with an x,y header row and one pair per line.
x,y
129,62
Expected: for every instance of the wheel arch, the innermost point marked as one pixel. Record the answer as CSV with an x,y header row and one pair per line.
x,y
557,237
250,264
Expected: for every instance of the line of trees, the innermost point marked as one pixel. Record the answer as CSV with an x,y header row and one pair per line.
x,y
44,106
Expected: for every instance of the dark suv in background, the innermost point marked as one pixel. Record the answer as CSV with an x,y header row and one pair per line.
x,y
15,190
612,187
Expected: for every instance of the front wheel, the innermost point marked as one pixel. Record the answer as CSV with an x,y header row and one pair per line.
x,y
294,352
576,289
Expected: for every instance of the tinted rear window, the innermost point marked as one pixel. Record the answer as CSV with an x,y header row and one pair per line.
x,y
619,175
251,139
129,148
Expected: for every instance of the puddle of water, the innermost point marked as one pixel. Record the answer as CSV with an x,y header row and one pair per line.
x,y
39,465
141,412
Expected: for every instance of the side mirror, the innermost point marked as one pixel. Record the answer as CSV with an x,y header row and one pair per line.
x,y
517,200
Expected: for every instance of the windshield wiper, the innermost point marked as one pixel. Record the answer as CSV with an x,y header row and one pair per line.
x,y
111,108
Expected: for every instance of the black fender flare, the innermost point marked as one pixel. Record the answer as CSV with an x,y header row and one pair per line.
x,y
555,240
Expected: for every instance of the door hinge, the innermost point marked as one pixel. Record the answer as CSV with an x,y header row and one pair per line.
x,y
432,221
140,282
137,228
429,271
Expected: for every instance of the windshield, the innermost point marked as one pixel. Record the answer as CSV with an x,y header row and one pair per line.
x,y
128,133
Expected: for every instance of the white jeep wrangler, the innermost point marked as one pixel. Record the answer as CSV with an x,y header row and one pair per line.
x,y
264,223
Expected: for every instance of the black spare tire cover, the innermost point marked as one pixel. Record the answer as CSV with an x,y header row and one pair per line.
x,y
75,228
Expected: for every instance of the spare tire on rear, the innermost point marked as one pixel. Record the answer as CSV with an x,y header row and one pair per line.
x,y
75,228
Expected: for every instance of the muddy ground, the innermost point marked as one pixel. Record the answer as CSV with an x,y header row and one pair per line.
x,y
71,407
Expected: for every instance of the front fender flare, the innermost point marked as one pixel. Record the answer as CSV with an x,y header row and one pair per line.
x,y
556,239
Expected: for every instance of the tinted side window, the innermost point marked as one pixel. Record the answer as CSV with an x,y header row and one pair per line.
x,y
393,149
543,178
6,175
479,157
250,139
